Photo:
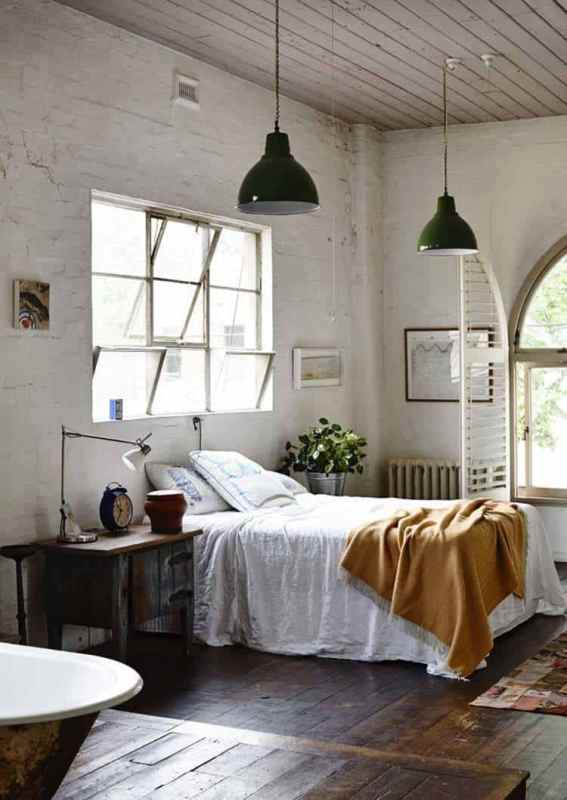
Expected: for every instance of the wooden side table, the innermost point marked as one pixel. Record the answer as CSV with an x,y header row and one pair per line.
x,y
118,581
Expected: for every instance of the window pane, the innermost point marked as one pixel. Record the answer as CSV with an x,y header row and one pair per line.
x,y
549,427
233,319
172,302
545,323
125,376
180,254
118,239
119,311
236,380
234,262
181,386
520,426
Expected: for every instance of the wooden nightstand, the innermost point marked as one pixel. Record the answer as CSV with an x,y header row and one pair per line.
x,y
120,581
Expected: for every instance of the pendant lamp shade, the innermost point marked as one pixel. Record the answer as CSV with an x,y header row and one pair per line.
x,y
277,184
447,233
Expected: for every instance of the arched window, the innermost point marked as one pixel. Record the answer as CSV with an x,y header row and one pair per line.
x,y
539,379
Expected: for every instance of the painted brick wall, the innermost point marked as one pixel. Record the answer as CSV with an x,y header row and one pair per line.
x,y
509,183
84,105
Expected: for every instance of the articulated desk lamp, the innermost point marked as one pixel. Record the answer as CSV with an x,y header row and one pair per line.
x,y
132,458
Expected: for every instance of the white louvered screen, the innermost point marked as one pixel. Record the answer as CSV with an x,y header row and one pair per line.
x,y
485,456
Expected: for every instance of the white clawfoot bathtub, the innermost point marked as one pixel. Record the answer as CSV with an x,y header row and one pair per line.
x,y
49,701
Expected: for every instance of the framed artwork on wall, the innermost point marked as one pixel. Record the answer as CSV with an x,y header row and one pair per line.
x,y
432,365
31,305
316,366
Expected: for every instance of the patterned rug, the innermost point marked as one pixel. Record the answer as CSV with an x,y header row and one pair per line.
x,y
539,684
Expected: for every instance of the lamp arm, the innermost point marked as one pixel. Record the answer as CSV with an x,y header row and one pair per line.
x,y
76,435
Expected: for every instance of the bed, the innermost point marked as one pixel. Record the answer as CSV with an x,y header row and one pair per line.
x,y
270,579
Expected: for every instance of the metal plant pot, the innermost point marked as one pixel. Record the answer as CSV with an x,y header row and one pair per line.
x,y
320,483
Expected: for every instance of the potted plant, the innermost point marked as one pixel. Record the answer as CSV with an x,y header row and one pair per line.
x,y
326,453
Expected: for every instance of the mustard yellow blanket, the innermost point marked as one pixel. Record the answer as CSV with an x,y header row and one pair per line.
x,y
445,570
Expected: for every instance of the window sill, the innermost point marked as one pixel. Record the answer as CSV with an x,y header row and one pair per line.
x,y
540,501
184,415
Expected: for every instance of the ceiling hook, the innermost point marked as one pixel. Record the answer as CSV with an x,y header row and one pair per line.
x,y
452,63
488,59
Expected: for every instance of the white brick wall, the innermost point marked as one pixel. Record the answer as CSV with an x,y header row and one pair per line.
x,y
87,106
509,181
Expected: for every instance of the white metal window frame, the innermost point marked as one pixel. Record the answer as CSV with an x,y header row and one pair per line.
x,y
263,292
527,359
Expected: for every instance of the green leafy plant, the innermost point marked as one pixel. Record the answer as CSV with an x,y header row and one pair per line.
x,y
328,448
545,327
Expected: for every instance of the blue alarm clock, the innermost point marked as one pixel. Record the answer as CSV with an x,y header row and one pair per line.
x,y
116,509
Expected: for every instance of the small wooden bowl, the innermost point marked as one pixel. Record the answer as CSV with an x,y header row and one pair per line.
x,y
166,508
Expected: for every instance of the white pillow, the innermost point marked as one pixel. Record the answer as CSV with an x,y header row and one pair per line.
x,y
240,481
293,486
201,498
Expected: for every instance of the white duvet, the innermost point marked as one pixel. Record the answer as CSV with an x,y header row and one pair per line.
x,y
270,580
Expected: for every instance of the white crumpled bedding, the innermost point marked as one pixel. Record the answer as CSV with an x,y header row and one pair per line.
x,y
270,579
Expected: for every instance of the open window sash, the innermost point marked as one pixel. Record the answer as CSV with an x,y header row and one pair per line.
x,y
125,372
180,382
204,274
237,380
240,379
165,286
208,252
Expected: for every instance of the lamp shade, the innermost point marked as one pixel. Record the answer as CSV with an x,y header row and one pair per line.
x,y
278,184
134,458
446,233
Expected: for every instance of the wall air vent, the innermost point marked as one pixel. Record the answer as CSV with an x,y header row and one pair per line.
x,y
186,91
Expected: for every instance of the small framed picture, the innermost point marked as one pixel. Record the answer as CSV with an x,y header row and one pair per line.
x,y
316,366
31,305
433,360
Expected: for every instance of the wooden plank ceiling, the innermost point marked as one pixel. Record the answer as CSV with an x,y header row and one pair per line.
x,y
376,61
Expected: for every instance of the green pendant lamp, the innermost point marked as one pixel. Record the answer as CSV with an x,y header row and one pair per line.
x,y
278,184
446,233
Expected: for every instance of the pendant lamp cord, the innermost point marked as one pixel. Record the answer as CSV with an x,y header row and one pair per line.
x,y
445,135
277,82
333,309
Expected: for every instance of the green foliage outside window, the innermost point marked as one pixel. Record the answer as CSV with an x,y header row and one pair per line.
x,y
545,326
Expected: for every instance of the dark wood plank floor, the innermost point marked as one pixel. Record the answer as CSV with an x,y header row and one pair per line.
x,y
132,756
391,706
